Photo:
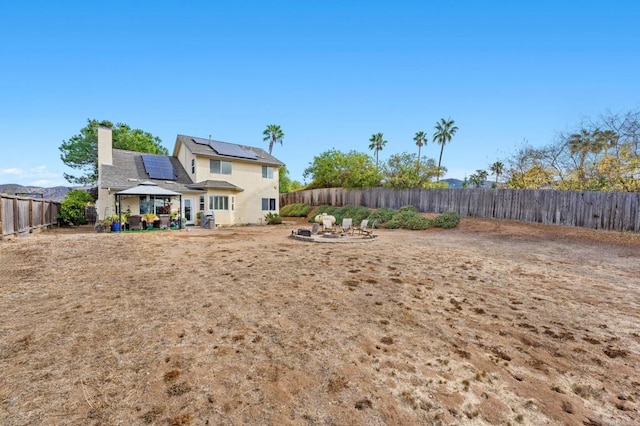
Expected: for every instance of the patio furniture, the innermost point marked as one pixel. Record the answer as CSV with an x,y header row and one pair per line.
x,y
135,221
363,228
327,225
314,228
346,225
165,220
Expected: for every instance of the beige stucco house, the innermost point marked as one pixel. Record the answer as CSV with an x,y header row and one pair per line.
x,y
238,183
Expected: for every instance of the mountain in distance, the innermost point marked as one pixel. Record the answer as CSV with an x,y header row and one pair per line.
x,y
453,183
56,193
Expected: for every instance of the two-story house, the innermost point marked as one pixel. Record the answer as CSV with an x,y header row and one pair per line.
x,y
238,183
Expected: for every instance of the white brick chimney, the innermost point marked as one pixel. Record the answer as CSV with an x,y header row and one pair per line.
x,y
105,157
105,146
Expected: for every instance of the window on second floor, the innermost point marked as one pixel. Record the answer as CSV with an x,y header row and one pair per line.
x,y
219,167
267,172
268,204
193,166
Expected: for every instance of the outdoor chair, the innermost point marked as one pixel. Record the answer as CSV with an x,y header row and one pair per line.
x,y
165,220
327,225
346,225
314,228
135,221
363,228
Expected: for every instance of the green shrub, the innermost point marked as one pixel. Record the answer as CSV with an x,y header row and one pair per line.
x,y
408,209
447,220
381,216
418,223
295,210
273,219
408,218
72,207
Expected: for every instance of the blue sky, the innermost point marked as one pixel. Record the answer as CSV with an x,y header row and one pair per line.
x,y
330,73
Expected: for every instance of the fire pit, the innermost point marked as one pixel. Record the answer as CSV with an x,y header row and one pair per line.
x,y
330,237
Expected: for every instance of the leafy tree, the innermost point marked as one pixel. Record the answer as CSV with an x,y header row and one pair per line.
x,y
421,140
400,172
81,150
377,143
497,168
335,169
285,183
273,133
602,155
72,207
445,129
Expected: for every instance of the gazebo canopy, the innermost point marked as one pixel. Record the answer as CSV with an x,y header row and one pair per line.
x,y
149,188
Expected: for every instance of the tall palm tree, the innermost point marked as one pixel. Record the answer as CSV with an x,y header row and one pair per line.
x,y
376,145
482,176
497,168
445,129
421,139
273,133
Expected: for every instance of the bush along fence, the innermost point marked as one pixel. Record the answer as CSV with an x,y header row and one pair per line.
x,y
619,211
21,216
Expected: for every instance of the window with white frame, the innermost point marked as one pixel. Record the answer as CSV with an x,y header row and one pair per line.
x,y
201,203
218,202
268,204
220,167
267,172
193,166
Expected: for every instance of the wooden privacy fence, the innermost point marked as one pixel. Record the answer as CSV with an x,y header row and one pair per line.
x,y
618,211
20,216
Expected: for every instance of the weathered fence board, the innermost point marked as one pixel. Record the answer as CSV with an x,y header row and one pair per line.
x,y
618,211
20,216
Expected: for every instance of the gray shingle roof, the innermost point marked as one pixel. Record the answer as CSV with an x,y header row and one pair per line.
x,y
128,171
202,148
215,184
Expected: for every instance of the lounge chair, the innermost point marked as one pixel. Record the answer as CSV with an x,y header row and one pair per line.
x,y
346,225
363,228
327,225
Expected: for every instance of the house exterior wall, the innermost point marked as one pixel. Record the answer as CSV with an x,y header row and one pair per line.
x,y
247,205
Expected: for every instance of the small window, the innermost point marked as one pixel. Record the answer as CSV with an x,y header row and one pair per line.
x,y
219,202
268,204
220,167
193,166
201,202
267,172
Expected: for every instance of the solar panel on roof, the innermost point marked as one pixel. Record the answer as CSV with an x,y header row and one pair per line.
x,y
158,167
232,150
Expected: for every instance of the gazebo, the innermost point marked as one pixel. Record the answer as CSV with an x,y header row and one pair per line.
x,y
149,188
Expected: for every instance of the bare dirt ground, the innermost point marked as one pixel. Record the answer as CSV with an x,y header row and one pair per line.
x,y
490,323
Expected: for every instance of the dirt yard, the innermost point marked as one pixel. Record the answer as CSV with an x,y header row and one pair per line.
x,y
487,324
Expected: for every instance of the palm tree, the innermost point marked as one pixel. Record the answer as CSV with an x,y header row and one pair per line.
x,y
273,133
497,168
474,179
421,140
445,130
376,145
482,176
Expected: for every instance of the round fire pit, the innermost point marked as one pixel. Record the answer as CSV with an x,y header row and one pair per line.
x,y
331,237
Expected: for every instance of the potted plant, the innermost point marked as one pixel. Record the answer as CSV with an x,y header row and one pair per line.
x,y
149,218
114,222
